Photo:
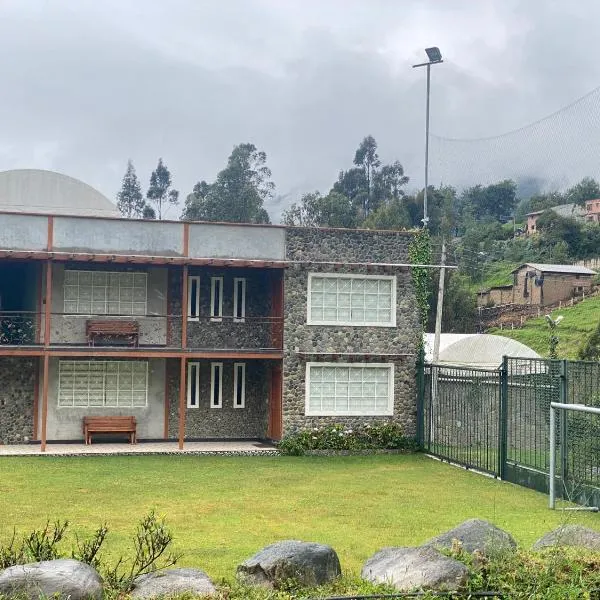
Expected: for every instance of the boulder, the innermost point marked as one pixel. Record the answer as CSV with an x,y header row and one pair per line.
x,y
173,582
409,569
570,535
65,578
476,534
307,563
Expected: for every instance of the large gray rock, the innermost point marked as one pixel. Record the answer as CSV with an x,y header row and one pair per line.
x,y
476,534
65,577
570,535
409,569
172,582
308,563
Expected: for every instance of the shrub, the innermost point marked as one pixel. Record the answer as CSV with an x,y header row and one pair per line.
x,y
388,436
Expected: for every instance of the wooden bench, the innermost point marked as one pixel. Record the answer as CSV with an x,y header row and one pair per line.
x,y
112,328
109,425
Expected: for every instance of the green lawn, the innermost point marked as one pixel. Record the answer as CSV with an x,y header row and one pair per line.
x,y
578,323
223,509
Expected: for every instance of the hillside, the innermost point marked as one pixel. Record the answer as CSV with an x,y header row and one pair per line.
x,y
579,321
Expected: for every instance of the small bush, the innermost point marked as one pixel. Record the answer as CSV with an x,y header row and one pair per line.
x,y
376,436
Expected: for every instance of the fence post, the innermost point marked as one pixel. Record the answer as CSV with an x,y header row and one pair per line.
x,y
563,391
420,397
503,420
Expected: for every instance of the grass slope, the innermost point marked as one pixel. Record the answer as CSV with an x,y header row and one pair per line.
x,y
578,323
223,509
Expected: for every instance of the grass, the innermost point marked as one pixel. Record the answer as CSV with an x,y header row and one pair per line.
x,y
496,273
578,323
223,509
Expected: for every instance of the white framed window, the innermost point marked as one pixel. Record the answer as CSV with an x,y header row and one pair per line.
x,y
239,299
193,385
103,383
216,385
193,298
239,385
348,299
349,389
105,293
216,298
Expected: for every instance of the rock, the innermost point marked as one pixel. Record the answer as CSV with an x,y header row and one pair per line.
x,y
570,535
476,534
66,578
173,582
308,563
409,569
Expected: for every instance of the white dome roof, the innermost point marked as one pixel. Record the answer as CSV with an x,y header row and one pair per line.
x,y
37,191
478,350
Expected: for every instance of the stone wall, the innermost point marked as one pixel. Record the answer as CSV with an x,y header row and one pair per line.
x,y
307,343
227,422
226,334
17,377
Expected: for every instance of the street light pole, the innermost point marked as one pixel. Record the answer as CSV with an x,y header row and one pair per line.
x,y
435,56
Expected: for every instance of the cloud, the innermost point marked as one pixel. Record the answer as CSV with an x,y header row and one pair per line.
x,y
88,85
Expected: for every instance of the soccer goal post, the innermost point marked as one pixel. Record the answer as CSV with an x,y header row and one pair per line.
x,y
554,408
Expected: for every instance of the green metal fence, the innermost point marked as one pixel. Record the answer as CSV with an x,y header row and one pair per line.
x,y
497,422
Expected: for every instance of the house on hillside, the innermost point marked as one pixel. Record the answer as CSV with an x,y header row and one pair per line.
x,y
591,213
538,284
198,330
592,210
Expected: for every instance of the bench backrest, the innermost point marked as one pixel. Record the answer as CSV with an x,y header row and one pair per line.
x,y
117,422
105,326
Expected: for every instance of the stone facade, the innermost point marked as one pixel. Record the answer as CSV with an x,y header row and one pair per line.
x,y
17,390
227,422
314,343
207,334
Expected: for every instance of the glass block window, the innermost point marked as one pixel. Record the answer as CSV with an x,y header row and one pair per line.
x,y
339,299
101,384
105,293
349,389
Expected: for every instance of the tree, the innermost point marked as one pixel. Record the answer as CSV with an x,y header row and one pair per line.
x,y
239,192
492,202
315,210
587,189
553,339
130,200
367,159
353,184
591,348
388,183
160,191
555,230
392,215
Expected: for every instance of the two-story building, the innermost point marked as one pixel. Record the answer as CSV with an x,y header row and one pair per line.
x,y
199,330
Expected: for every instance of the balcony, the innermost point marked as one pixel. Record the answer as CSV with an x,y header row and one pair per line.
x,y
24,329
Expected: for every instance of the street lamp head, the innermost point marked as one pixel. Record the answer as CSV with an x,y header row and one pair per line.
x,y
434,54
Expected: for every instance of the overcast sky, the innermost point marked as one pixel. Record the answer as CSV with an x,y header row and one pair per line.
x,y
87,84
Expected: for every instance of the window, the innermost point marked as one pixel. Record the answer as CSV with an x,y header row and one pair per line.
x,y
97,383
239,299
193,385
105,293
336,299
239,385
334,389
193,298
216,298
216,385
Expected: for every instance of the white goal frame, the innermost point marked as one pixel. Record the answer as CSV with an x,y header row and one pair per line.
x,y
555,406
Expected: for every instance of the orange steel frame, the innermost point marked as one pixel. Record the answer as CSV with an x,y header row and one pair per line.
x,y
45,351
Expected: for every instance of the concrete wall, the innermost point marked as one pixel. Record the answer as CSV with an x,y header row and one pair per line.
x,y
66,423
303,343
227,422
23,232
237,241
70,329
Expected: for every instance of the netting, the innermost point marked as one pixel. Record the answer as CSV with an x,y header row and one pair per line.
x,y
551,154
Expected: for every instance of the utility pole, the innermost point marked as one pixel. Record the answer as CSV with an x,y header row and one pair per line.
x,y
440,305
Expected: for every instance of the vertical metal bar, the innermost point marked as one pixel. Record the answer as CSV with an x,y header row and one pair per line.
x,y
563,399
503,418
551,501
425,215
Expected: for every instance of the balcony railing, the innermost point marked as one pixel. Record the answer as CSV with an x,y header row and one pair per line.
x,y
25,328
